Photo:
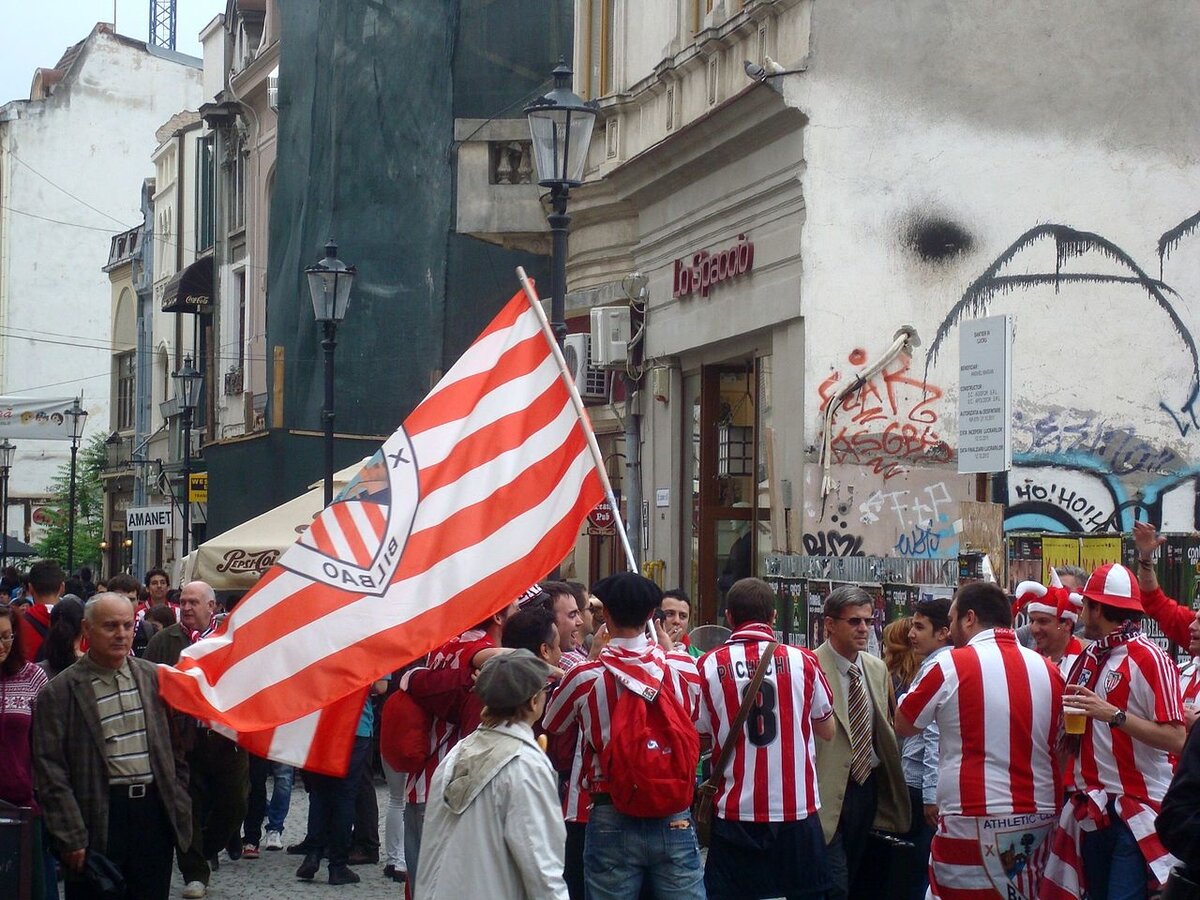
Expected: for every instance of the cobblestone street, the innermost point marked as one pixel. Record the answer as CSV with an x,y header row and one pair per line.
x,y
273,875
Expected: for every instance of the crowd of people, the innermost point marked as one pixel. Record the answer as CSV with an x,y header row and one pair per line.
x,y
575,744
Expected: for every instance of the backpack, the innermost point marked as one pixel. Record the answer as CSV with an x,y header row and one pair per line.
x,y
650,758
404,732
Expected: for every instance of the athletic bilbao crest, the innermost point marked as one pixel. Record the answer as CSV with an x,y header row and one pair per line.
x,y
356,543
1111,682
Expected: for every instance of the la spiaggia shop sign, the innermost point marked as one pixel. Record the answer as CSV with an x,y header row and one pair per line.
x,y
705,270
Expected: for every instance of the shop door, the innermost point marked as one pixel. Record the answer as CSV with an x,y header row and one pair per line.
x,y
729,517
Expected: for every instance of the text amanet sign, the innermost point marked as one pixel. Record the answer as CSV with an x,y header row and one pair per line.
x,y
705,270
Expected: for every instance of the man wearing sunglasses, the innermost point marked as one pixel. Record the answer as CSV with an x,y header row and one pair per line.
x,y
859,777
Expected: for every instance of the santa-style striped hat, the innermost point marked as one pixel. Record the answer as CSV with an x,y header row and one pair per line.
x,y
1114,585
1055,600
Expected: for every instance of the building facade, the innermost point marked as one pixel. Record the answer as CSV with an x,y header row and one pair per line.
x,y
72,160
877,167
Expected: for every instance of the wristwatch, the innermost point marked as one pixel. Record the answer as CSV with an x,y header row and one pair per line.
x,y
1118,719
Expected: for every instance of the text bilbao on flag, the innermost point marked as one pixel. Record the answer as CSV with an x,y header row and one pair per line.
x,y
478,495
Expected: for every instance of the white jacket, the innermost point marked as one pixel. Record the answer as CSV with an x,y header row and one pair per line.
x,y
493,823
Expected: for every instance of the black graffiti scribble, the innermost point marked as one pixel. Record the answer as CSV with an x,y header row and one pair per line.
x,y
832,543
1172,236
1070,243
937,240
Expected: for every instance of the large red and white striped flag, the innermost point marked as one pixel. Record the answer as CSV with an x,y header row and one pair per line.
x,y
479,494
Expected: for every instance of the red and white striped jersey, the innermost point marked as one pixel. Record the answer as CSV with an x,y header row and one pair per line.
x,y
1138,677
455,654
998,708
772,774
1189,681
576,800
585,695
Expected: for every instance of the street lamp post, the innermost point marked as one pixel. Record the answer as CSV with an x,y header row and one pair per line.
x,y
329,282
561,126
78,419
7,449
187,381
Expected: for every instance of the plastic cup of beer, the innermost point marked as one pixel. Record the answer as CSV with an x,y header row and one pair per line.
x,y
1074,721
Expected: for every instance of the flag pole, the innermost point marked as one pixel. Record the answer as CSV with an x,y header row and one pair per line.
x,y
564,372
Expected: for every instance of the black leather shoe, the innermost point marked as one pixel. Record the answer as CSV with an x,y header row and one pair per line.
x,y
343,874
363,858
301,849
308,868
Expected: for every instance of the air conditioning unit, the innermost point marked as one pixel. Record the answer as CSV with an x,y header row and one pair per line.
x,y
590,381
610,336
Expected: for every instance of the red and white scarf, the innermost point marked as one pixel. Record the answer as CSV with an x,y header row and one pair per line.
x,y
640,670
1086,672
1063,877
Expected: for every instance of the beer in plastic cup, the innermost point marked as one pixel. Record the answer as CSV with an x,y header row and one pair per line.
x,y
1073,722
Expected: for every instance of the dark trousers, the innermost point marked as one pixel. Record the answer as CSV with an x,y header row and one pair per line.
x,y
219,782
573,871
140,841
365,836
910,868
331,806
749,860
850,839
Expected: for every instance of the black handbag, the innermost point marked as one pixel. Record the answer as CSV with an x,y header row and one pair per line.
x,y
102,875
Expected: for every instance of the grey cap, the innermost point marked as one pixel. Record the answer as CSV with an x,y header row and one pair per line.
x,y
508,680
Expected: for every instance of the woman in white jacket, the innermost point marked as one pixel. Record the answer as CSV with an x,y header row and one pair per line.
x,y
493,823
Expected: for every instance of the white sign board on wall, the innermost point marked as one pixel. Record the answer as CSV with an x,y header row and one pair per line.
x,y
148,518
985,395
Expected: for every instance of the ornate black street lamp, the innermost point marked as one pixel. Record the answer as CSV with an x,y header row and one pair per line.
x,y
78,419
561,126
187,392
7,450
329,282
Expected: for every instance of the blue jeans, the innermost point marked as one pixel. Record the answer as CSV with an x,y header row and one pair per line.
x,y
331,806
620,852
257,806
1113,864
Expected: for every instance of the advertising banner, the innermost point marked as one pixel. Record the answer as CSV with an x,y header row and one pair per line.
x,y
35,418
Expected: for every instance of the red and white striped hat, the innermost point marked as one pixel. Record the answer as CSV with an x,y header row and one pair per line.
x,y
1115,585
1054,600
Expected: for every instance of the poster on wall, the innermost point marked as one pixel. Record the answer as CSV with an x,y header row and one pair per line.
x,y
817,592
1099,550
1056,552
985,395
1024,560
790,609
899,601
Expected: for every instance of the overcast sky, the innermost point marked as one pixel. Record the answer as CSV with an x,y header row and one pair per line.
x,y
37,33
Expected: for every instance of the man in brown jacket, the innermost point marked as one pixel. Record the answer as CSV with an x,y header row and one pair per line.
x,y
107,776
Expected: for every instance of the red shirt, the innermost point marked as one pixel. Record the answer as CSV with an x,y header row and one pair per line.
x,y
444,690
1172,617
772,774
31,638
998,707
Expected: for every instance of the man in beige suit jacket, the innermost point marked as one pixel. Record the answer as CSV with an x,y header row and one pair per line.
x,y
865,790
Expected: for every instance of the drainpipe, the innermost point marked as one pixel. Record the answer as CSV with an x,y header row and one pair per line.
x,y
144,360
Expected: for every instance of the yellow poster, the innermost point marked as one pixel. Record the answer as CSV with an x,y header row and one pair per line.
x,y
1098,551
1058,551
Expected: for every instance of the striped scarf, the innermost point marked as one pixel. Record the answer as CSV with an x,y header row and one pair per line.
x,y
641,671
1063,877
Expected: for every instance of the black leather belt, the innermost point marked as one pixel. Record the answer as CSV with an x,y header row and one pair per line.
x,y
137,791
601,799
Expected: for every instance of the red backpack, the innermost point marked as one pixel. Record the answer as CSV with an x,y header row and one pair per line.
x,y
404,733
650,758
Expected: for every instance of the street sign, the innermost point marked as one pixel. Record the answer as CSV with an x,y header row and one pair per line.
x,y
198,487
148,518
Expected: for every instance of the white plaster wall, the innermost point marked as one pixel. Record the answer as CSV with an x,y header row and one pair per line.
x,y
90,144
998,119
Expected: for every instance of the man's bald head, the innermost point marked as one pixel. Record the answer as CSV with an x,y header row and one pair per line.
x,y
197,605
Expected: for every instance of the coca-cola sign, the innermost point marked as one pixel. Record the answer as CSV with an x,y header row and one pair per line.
x,y
244,561
705,270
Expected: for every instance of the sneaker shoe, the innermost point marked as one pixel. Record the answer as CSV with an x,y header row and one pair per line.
x,y
274,841
250,851
343,874
194,890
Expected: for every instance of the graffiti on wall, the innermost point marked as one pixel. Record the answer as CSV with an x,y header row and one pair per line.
x,y
888,423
